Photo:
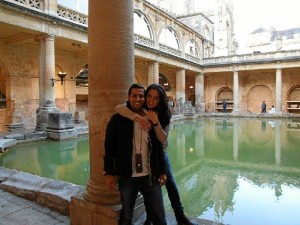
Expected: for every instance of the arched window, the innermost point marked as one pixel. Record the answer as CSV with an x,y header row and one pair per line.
x,y
141,26
191,48
82,77
164,81
169,38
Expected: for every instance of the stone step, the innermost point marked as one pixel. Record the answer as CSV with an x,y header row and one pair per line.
x,y
6,143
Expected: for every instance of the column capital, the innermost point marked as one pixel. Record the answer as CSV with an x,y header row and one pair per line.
x,y
278,66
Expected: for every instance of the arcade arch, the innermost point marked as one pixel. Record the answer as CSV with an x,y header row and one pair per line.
x,y
164,81
254,100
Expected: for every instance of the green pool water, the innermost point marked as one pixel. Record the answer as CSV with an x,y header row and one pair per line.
x,y
229,170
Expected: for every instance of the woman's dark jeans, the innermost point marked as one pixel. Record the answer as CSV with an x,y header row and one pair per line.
x,y
172,188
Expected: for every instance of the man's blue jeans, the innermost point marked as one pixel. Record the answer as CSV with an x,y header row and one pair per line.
x,y
153,200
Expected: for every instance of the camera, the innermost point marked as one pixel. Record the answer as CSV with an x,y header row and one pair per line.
x,y
138,163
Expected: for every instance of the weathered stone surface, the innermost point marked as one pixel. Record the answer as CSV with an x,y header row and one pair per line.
x,y
16,211
52,193
36,135
24,185
57,195
6,143
60,121
15,136
62,134
6,173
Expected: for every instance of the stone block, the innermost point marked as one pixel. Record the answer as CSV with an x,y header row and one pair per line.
x,y
24,185
6,143
60,121
57,195
6,173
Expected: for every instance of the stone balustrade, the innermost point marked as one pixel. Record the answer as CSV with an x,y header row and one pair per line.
x,y
72,15
252,58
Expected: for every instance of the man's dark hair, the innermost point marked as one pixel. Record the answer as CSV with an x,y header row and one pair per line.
x,y
138,86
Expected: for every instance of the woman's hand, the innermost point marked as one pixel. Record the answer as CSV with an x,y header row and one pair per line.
x,y
152,115
162,179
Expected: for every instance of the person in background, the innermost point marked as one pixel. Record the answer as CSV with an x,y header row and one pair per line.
x,y
159,116
263,107
272,110
224,106
134,162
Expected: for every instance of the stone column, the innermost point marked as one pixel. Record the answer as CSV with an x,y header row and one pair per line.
x,y
199,93
41,72
235,92
46,73
50,7
111,72
153,73
278,105
180,91
180,84
49,74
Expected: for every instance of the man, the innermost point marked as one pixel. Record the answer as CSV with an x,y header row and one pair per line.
x,y
134,159
263,107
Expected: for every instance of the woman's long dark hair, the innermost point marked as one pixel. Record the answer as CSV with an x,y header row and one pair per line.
x,y
162,109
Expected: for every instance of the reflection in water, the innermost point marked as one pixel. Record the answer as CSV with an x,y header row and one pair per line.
x,y
227,170
263,126
248,171
61,160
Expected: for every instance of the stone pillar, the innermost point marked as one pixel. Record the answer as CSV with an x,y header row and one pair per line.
x,y
153,73
46,72
49,68
199,93
235,92
278,105
108,86
41,72
180,84
180,90
50,7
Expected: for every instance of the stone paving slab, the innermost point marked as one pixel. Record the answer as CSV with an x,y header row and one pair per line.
x,y
19,211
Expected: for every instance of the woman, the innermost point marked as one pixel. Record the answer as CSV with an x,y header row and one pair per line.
x,y
158,117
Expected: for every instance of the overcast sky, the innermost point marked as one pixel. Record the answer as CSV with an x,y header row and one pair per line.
x,y
250,15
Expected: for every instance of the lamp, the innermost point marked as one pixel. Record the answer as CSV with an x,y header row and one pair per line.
x,y
61,75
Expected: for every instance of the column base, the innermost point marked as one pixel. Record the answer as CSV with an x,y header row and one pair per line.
x,y
42,117
83,212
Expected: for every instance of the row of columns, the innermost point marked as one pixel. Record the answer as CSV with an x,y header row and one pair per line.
x,y
278,105
153,77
